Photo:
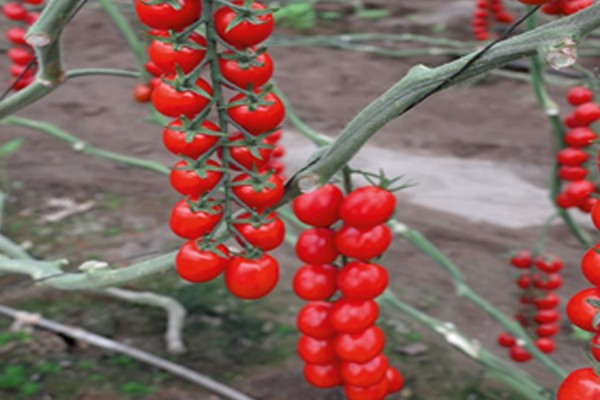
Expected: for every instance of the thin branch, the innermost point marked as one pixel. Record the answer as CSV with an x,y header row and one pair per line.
x,y
82,335
77,73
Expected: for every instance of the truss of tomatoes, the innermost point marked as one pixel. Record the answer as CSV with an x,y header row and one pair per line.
x,y
538,313
242,163
21,14
340,343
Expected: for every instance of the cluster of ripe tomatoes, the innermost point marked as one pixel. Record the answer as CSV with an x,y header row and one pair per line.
x,y
573,159
487,12
228,179
560,7
538,313
22,14
340,343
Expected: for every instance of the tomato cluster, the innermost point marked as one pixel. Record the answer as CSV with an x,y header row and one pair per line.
x,y
564,7
22,14
486,12
538,314
239,164
573,159
340,343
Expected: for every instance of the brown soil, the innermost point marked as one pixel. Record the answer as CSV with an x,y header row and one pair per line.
x,y
487,120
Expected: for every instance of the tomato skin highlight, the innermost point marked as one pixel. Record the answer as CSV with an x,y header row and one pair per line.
x,y
174,140
580,312
319,208
252,279
196,265
173,103
166,57
315,282
164,17
582,384
244,34
317,246
367,207
363,245
191,225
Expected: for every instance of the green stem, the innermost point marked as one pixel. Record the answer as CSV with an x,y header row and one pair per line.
x,y
84,147
13,250
77,73
421,80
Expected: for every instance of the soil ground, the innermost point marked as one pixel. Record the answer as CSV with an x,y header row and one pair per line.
x,y
251,345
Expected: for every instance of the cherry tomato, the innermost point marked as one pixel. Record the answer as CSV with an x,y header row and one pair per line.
x,y
395,380
363,244
153,69
595,346
522,260
315,282
16,35
581,384
21,71
323,376
547,330
174,139
266,235
14,11
20,55
167,56
362,281
549,264
242,150
173,103
524,282
196,265
31,18
34,2
320,207
257,118
164,17
247,33
572,157
365,374
580,137
506,340
190,224
547,302
316,351
590,265
194,183
252,279
579,191
367,207
587,113
551,282
265,194
246,74
317,246
142,93
581,312
360,347
353,316
545,345
519,354
377,391
572,173
547,316
314,320
579,95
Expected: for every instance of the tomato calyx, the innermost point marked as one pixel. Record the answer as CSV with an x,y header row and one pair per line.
x,y
254,99
200,167
245,13
177,40
176,5
205,204
380,180
258,181
245,58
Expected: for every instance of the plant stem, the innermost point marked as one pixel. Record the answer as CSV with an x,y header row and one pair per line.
x,y
77,73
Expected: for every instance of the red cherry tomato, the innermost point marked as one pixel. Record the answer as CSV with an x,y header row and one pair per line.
x,y
581,312
316,351
506,340
246,33
572,173
16,35
196,265
360,347
167,56
315,282
252,279
549,264
547,330
323,376
579,191
524,282
245,74
377,391
153,69
142,93
572,157
590,265
581,384
14,11
259,198
165,17
522,260
321,207
314,320
587,113
547,316
547,302
362,281
20,55
257,118
194,183
190,224
545,345
367,207
395,380
173,103
363,244
519,354
317,246
551,282
265,235
243,150
579,95
353,316
580,137
175,139
365,374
